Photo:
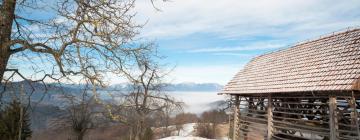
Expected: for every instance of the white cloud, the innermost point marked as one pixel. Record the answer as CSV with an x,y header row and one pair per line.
x,y
205,74
238,18
233,54
220,74
281,20
238,48
197,102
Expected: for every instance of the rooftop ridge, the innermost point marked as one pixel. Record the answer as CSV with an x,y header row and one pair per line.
x,y
328,63
306,41
338,32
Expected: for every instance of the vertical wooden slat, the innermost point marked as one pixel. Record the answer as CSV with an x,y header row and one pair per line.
x,y
270,118
333,118
354,114
236,117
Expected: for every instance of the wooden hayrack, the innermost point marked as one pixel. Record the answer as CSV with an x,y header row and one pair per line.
x,y
308,91
315,116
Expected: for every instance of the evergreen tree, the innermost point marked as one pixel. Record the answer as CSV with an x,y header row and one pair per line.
x,y
10,122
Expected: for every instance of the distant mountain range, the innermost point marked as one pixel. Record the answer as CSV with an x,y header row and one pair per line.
x,y
178,87
53,92
49,100
194,87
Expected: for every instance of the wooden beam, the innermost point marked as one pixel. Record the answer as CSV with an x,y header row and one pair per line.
x,y
354,115
334,134
270,118
236,124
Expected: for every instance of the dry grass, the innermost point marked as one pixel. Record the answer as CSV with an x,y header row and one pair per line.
x,y
106,133
222,130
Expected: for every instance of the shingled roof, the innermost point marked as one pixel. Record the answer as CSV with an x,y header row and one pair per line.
x,y
330,63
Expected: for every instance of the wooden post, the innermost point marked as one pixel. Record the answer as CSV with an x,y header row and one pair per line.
x,y
270,118
236,118
354,114
333,118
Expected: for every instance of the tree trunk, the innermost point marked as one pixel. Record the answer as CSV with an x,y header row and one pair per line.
x,y
167,133
7,14
4,58
131,133
140,129
80,136
137,133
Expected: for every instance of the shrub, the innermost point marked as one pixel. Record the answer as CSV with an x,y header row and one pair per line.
x,y
10,122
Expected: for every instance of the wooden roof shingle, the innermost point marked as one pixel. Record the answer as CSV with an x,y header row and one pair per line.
x,y
329,63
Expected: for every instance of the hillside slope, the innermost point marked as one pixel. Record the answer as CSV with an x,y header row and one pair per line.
x,y
188,132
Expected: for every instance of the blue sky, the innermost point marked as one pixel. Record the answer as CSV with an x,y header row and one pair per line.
x,y
210,40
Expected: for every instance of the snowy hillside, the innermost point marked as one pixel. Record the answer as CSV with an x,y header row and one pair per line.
x,y
187,133
184,138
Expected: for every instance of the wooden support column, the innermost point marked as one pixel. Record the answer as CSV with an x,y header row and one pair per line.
x,y
354,114
236,118
334,133
270,118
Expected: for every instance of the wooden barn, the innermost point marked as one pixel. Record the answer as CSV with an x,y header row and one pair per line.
x,y
308,91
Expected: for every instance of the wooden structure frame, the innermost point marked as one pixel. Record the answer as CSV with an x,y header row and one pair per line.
x,y
310,91
316,116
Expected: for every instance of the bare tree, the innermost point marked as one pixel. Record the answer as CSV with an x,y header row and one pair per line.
x,y
209,120
82,38
15,122
166,117
79,39
183,118
179,122
82,114
145,96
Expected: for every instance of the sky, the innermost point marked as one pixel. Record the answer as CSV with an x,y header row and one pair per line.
x,y
208,41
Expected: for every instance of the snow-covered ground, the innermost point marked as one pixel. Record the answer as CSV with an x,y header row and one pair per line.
x,y
183,138
187,130
187,133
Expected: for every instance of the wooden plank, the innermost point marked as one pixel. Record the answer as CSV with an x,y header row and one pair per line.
x,y
251,122
301,130
247,109
334,134
300,114
348,137
269,118
300,103
301,97
300,109
236,117
252,126
252,136
354,114
295,136
253,114
312,128
253,119
280,138
300,120
347,131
